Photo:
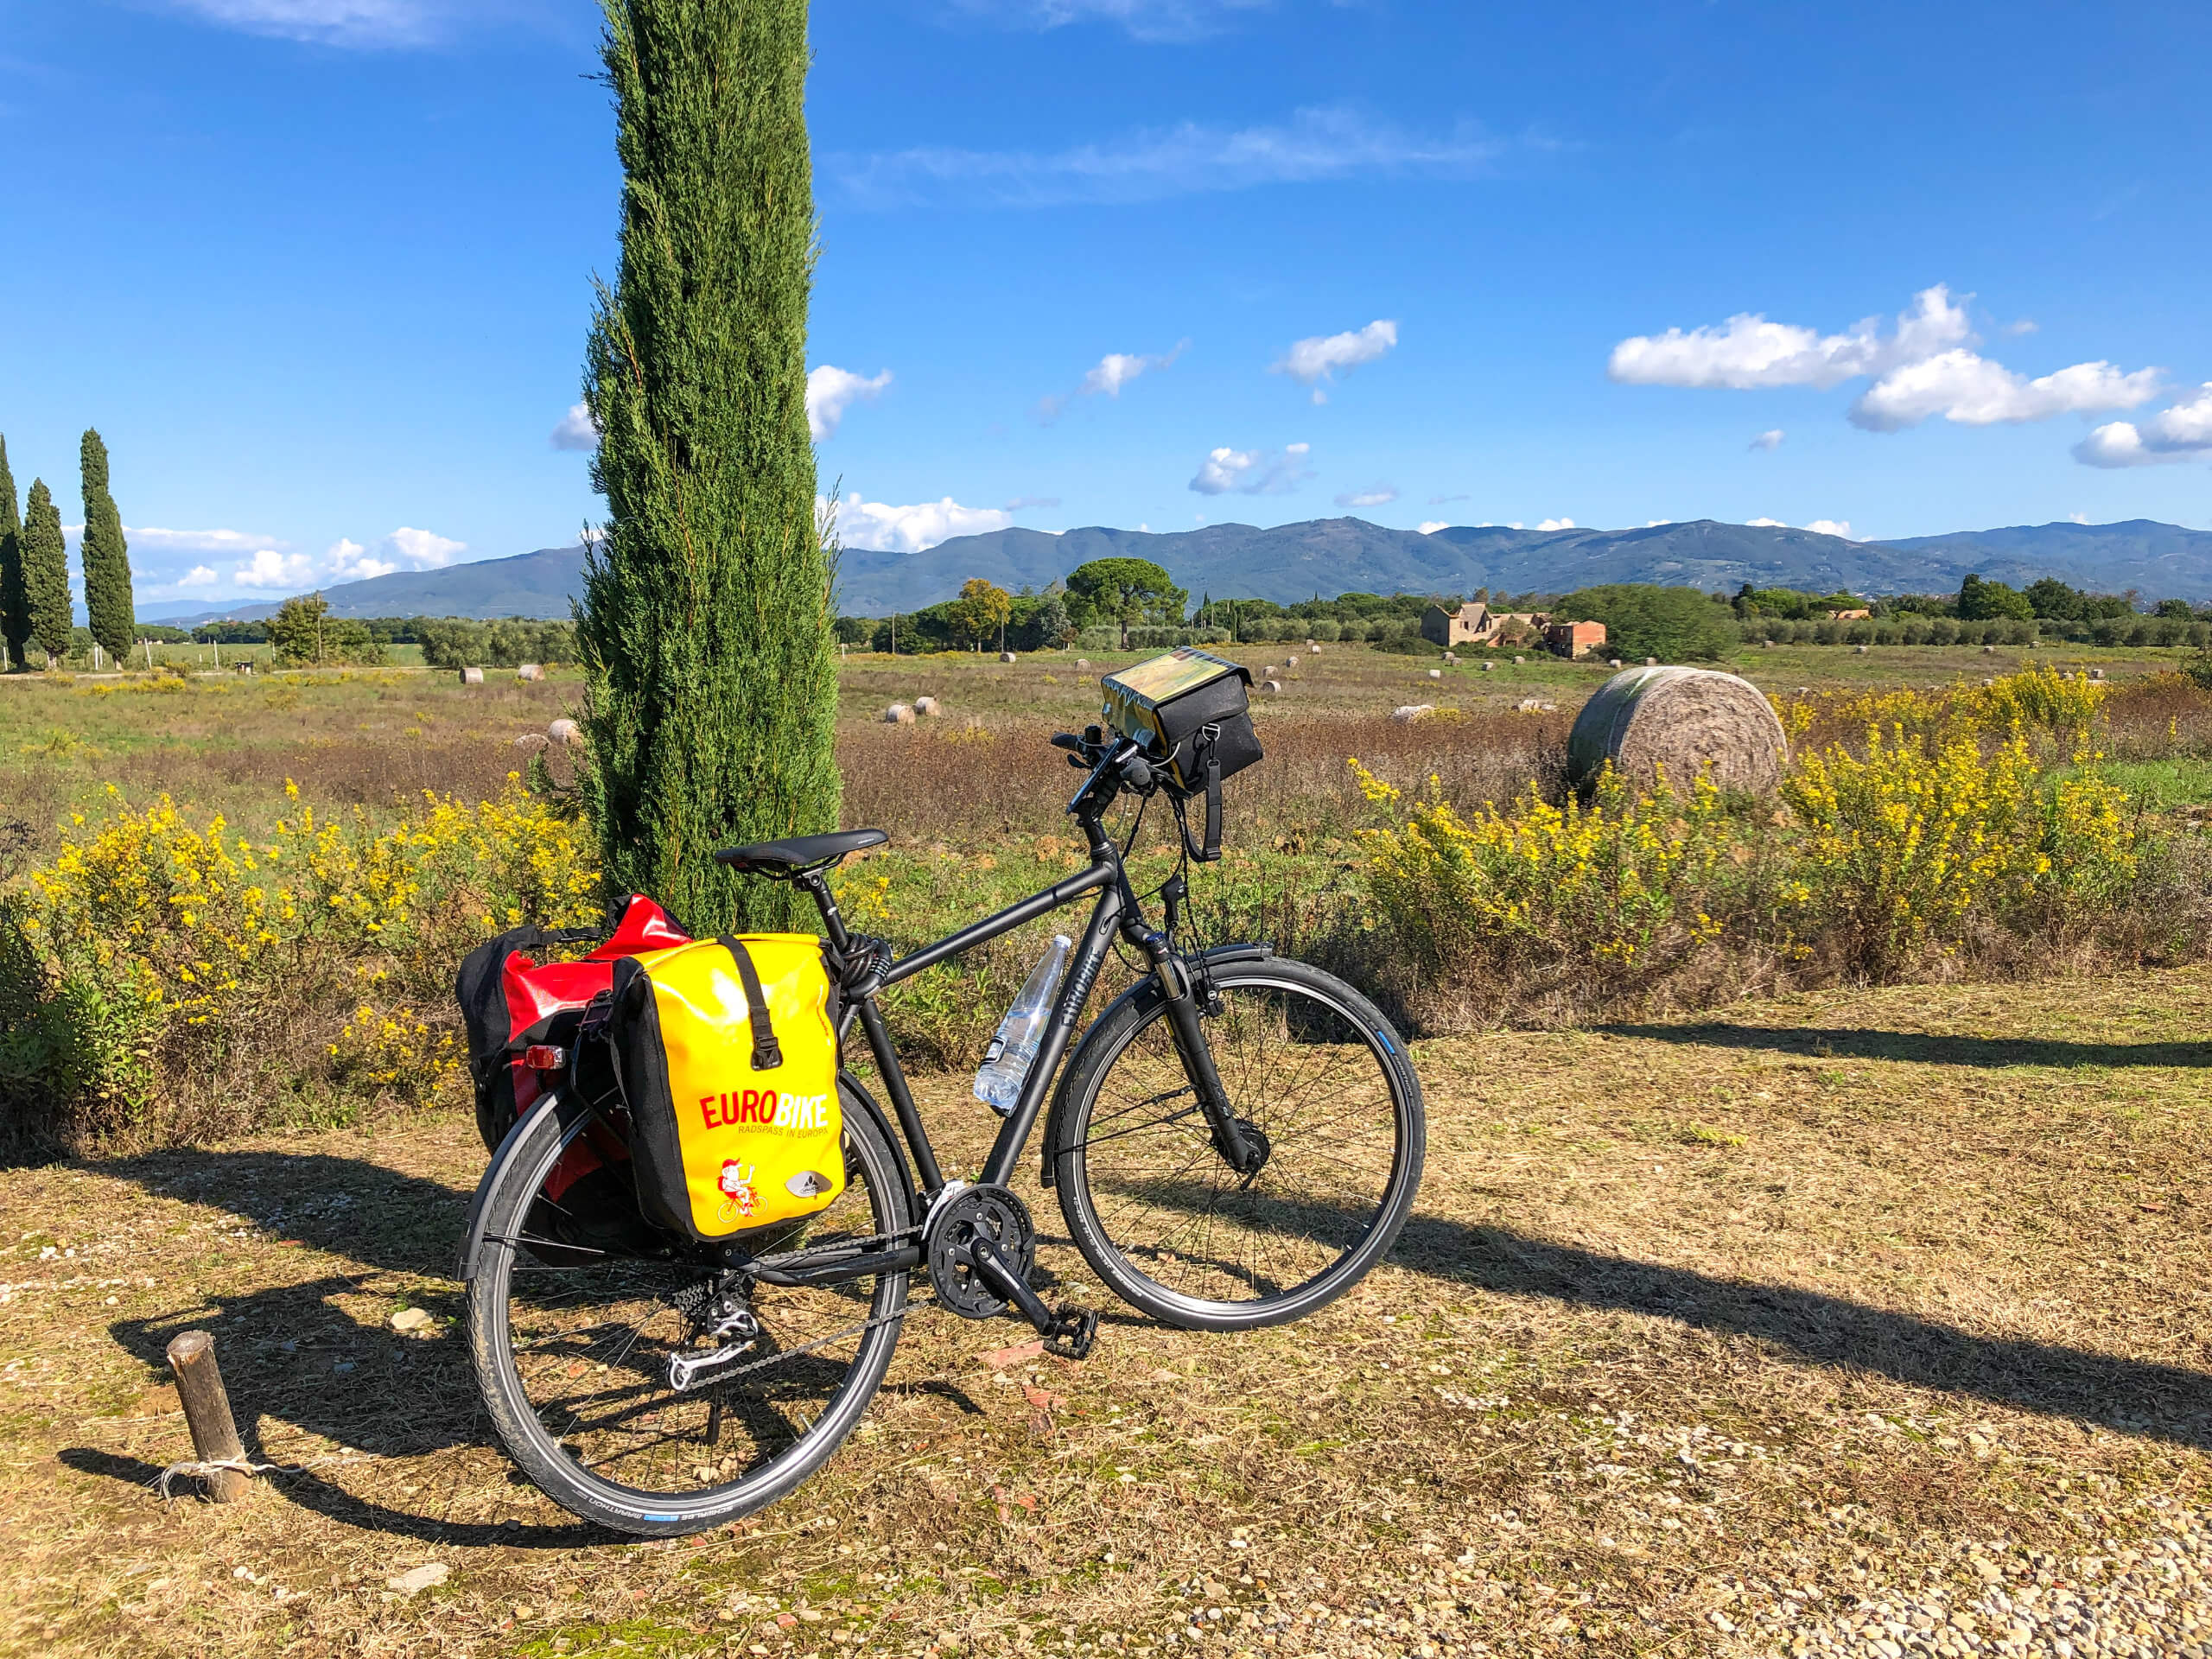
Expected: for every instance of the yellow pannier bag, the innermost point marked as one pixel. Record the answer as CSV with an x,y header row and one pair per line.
x,y
727,1051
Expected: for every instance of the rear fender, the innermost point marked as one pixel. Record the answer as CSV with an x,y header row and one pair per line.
x,y
1147,993
472,1233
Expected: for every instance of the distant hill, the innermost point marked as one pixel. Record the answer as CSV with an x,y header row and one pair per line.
x,y
537,585
1329,556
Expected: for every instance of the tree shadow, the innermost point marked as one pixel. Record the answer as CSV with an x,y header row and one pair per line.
x,y
1927,1048
2143,1397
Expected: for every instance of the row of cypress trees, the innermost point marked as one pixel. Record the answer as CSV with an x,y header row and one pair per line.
x,y
34,566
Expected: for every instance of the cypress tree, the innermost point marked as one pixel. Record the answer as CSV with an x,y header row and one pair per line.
x,y
46,574
15,602
706,622
106,559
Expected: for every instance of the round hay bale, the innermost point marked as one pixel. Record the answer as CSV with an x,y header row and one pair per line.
x,y
530,671
1082,662
928,705
1409,712
1684,719
472,677
1488,666
1436,673
1273,688
1005,656
898,714
564,731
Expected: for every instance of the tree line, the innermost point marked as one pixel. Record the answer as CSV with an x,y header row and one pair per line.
x,y
35,607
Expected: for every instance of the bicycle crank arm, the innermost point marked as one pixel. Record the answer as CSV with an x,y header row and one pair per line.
x,y
1069,1333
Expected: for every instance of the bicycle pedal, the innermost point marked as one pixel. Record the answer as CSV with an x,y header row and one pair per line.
x,y
1074,1329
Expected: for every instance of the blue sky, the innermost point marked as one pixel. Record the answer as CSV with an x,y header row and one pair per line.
x,y
319,270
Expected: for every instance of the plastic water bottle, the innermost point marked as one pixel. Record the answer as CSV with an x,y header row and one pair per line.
x,y
998,1084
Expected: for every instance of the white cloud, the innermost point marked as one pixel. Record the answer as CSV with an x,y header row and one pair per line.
x,y
270,569
1146,20
1112,372
1769,440
1020,502
1319,357
1833,527
2077,518
343,22
1430,526
1972,390
348,560
2183,432
199,576
1315,144
1766,523
1253,472
1439,500
576,429
1376,495
151,538
830,391
1748,352
420,549
876,527
1553,523
1923,367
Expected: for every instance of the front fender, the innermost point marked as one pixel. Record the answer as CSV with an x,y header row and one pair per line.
x,y
1147,993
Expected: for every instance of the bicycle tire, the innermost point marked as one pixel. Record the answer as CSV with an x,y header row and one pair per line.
x,y
1334,1017
873,1170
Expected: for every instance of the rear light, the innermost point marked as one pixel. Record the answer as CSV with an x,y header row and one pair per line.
x,y
544,1057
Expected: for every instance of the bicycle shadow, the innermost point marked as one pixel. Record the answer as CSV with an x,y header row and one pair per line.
x,y
295,1354
1927,1048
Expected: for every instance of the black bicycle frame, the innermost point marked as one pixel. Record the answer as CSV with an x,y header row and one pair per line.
x,y
1116,910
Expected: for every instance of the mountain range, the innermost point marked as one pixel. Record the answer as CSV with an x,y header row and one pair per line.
x,y
1327,557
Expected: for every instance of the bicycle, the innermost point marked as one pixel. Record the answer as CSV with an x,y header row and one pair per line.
x,y
1235,1141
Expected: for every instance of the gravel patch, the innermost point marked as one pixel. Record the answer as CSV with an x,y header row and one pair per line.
x,y
2123,1602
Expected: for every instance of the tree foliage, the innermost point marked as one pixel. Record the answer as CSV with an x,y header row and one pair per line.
x,y
705,626
980,611
1983,601
1125,592
46,574
464,642
305,635
15,601
105,556
1675,625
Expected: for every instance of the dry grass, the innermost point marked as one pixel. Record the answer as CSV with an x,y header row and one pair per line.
x,y
1802,1297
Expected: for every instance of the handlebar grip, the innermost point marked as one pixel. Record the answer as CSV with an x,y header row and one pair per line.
x,y
1067,741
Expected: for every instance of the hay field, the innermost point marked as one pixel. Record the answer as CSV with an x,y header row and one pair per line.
x,y
1703,1334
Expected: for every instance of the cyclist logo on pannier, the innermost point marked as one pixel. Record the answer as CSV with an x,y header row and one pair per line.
x,y
736,1184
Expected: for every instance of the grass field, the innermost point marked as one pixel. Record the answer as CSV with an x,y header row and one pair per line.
x,y
1712,1334
1706,1337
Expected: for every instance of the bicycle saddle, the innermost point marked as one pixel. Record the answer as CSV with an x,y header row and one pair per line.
x,y
796,853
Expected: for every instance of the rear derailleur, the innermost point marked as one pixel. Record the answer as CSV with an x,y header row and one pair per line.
x,y
719,1313
980,1247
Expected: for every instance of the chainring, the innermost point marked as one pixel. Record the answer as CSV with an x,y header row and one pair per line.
x,y
990,1212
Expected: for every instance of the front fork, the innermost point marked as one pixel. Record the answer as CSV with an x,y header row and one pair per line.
x,y
1239,1144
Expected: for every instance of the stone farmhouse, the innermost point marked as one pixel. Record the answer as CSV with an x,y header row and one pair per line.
x,y
1476,624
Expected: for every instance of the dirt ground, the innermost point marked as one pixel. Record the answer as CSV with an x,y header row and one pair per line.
x,y
1701,1332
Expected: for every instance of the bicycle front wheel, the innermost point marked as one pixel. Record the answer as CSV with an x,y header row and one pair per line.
x,y
1315,1069
575,1316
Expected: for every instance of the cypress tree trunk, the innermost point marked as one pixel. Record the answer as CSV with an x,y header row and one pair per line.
x,y
15,602
705,626
106,559
46,574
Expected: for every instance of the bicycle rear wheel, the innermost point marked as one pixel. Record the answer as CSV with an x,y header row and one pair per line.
x,y
572,1331
1313,1067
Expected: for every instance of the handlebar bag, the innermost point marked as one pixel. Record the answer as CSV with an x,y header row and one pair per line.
x,y
727,1052
1191,712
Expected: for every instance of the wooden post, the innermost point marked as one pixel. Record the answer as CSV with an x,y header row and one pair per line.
x,y
207,1413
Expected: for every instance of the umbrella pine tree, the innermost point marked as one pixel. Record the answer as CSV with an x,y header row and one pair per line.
x,y
105,558
706,621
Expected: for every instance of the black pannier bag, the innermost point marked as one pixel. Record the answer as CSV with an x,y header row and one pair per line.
x,y
1191,711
